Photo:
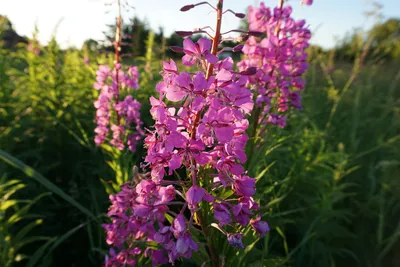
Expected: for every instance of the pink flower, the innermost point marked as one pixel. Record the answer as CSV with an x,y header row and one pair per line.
x,y
235,240
241,213
259,226
222,214
197,51
178,227
280,58
245,186
163,236
185,244
158,257
167,193
127,110
204,133
194,196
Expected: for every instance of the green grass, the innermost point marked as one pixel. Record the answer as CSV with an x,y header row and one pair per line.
x,y
328,183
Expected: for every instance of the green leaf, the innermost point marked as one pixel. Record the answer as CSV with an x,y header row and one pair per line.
x,y
32,239
64,237
42,180
34,259
24,231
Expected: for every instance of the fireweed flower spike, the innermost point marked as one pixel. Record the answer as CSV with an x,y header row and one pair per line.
x,y
204,132
121,116
280,58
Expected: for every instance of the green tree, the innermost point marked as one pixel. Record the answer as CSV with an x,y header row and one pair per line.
x,y
8,34
386,38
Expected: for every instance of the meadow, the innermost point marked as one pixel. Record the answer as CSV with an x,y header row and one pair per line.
x,y
328,183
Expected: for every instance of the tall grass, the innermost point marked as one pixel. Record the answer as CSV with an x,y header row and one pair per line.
x,y
328,183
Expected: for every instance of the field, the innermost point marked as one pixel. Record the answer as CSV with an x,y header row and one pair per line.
x,y
328,183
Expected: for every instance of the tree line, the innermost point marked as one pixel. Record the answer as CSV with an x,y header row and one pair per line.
x,y
381,42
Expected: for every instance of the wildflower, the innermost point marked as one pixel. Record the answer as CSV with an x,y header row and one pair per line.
x,y
235,240
280,59
194,196
197,51
244,185
126,127
222,214
200,124
259,226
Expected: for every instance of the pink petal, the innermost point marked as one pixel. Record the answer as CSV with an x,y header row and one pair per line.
x,y
189,47
174,93
211,58
188,60
174,163
199,82
202,158
224,75
170,66
224,134
161,87
204,44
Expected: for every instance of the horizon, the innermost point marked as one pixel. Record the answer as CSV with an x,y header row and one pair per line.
x,y
66,18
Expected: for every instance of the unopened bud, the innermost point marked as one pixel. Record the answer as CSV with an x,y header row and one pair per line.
x,y
184,33
255,33
249,71
186,8
242,38
237,48
176,49
240,15
307,2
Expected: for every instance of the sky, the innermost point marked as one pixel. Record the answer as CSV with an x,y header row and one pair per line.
x,y
79,20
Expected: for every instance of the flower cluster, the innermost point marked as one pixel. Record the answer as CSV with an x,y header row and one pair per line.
x,y
134,210
200,126
33,46
204,131
280,58
121,117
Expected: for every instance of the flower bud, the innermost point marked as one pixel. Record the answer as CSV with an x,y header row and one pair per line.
x,y
176,49
240,15
307,2
235,240
259,226
237,48
249,71
255,33
186,8
184,33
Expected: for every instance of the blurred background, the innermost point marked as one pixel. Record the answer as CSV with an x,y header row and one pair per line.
x,y
329,181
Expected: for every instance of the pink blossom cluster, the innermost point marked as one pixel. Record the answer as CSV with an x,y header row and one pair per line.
x,y
33,46
280,58
200,125
121,117
135,211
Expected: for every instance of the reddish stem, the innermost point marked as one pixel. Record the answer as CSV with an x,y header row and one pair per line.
x,y
210,67
117,46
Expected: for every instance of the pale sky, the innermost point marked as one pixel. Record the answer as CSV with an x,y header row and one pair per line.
x,y
84,19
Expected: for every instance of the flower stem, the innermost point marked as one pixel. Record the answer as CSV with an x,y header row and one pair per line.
x,y
117,55
217,37
210,68
214,50
204,230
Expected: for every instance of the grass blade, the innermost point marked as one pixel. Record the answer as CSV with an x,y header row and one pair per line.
x,y
16,163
